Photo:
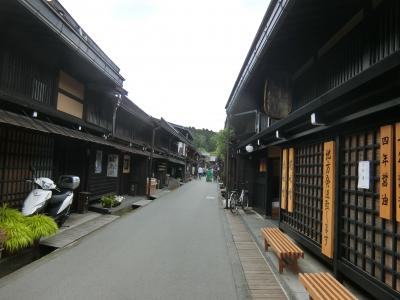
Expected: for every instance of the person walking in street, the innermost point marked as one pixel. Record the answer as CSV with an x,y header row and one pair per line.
x,y
200,172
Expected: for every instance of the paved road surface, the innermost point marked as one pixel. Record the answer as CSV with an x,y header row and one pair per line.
x,y
174,248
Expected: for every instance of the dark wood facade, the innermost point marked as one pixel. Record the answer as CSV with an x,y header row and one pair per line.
x,y
62,103
338,60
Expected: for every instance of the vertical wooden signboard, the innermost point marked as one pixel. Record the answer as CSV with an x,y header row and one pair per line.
x,y
284,178
386,172
398,172
290,188
328,198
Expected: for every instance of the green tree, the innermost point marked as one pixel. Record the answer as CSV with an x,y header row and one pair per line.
x,y
204,139
223,138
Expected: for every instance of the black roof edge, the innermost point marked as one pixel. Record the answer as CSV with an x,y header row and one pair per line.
x,y
257,37
52,19
374,71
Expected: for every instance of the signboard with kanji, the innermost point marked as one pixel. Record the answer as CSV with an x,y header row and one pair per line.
x,y
328,198
284,178
386,172
290,188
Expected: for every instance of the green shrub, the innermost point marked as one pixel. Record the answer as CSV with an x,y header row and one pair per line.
x,y
41,226
10,215
3,237
18,234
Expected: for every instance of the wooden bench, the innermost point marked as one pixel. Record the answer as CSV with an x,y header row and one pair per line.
x,y
285,249
325,287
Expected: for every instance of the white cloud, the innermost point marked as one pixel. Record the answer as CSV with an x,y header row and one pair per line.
x,y
180,58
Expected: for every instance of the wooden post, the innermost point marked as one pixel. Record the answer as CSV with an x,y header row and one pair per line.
x,y
397,172
290,188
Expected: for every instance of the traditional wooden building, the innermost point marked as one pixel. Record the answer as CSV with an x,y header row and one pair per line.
x,y
63,108
315,111
173,153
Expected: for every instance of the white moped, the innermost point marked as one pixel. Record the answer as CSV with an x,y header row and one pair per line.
x,y
49,199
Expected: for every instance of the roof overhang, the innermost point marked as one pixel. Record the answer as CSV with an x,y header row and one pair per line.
x,y
58,20
16,120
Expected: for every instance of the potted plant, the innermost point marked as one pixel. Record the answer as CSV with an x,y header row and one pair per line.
x,y
108,201
118,200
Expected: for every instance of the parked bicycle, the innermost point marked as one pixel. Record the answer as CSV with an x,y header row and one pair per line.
x,y
237,200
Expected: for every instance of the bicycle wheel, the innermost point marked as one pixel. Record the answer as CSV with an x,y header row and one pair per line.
x,y
245,202
233,202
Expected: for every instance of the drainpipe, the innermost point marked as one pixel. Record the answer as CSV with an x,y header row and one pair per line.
x,y
151,161
114,119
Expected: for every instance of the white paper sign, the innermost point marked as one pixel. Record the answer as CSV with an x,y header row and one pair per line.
x,y
112,165
363,175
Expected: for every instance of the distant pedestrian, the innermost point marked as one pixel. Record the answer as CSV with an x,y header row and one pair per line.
x,y
200,172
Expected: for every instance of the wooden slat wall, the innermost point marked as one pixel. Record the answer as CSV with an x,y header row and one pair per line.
x,y
25,78
359,50
100,184
18,150
307,214
367,241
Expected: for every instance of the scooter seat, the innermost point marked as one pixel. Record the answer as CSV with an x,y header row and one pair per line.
x,y
59,197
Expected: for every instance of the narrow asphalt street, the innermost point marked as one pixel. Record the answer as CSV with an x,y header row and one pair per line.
x,y
174,248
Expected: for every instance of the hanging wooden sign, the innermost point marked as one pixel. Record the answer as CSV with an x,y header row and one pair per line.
x,y
284,178
328,198
386,171
291,181
398,172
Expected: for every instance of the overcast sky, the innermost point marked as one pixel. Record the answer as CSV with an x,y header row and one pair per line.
x,y
180,59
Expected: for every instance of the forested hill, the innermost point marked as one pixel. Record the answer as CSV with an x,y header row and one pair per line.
x,y
204,139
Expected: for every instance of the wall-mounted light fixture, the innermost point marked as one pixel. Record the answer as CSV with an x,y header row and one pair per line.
x,y
34,114
315,121
249,148
79,128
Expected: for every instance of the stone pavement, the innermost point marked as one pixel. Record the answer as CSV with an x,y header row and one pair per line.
x,y
174,248
262,282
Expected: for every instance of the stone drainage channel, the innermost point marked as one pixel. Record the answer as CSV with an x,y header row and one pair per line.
x,y
75,227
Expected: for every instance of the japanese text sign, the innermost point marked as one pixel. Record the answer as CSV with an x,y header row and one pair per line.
x,y
328,198
284,178
386,172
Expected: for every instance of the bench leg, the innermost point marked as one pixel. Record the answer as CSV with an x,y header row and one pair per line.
x,y
266,245
295,266
281,265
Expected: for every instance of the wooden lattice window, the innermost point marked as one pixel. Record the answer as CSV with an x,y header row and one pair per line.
x,y
367,241
306,217
18,151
